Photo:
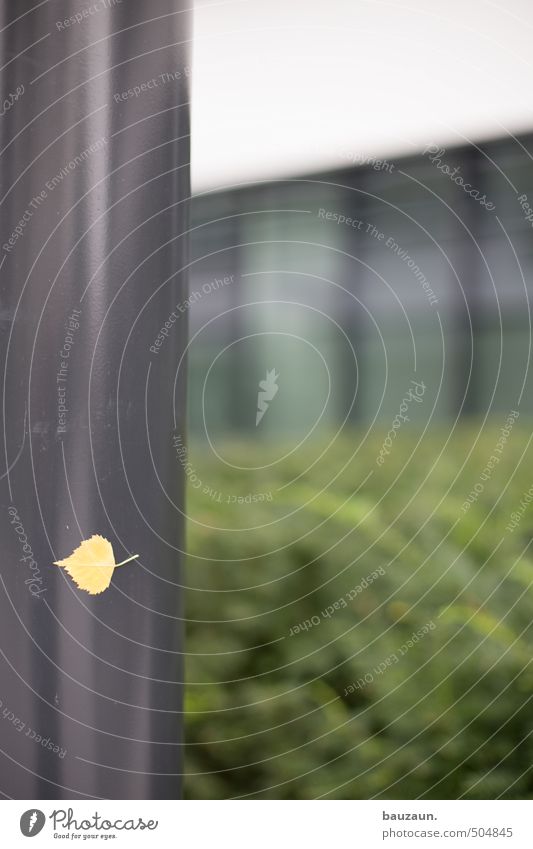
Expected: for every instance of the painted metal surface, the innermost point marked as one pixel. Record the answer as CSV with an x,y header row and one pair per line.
x,y
94,187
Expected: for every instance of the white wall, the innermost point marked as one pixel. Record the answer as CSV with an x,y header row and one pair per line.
x,y
284,87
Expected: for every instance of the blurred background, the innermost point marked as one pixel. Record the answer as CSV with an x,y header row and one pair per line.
x,y
359,433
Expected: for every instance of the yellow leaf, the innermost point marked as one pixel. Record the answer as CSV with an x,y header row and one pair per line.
x,y
91,564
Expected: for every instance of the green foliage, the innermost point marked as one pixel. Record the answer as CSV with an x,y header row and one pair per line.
x,y
270,715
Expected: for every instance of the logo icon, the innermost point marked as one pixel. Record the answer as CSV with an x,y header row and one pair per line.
x,y
267,390
32,822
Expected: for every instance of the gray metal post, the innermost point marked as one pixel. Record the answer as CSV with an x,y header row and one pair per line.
x,y
94,192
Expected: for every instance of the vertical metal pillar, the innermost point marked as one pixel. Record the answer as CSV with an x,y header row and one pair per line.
x,y
93,252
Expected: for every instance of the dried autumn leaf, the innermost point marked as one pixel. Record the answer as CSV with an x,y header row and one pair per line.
x,y
91,564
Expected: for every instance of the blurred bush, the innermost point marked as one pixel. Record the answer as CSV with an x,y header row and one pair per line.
x,y
275,715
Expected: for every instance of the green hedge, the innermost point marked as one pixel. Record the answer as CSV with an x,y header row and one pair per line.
x,y
275,715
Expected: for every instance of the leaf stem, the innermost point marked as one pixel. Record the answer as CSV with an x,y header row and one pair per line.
x,y
126,561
